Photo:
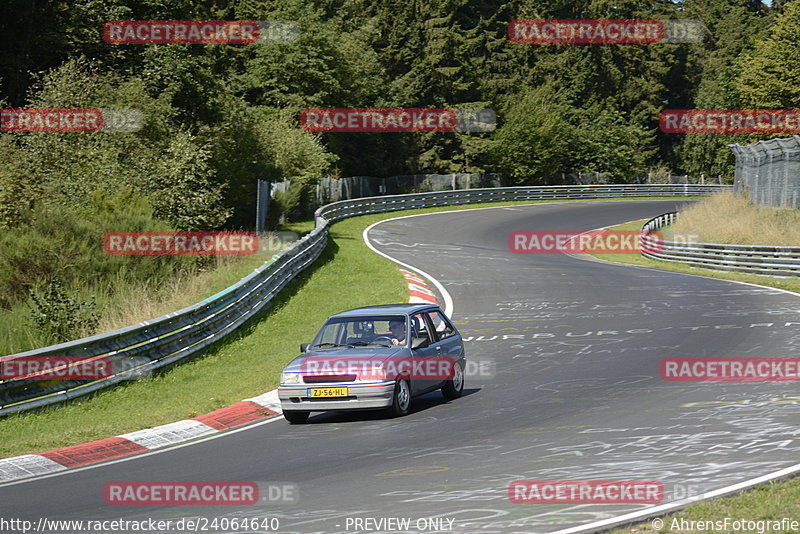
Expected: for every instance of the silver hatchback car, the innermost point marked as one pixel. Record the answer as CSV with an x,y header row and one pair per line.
x,y
378,357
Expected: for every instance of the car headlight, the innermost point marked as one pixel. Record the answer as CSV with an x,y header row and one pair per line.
x,y
290,378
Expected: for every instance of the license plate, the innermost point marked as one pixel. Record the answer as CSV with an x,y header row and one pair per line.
x,y
327,392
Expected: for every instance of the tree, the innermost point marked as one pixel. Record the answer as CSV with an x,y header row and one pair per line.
x,y
732,28
532,143
161,162
770,74
605,142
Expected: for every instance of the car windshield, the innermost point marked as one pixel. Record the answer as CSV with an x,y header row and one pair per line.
x,y
362,331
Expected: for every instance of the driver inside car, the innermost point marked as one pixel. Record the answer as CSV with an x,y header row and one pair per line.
x,y
398,330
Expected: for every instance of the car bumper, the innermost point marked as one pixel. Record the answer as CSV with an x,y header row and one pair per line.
x,y
361,396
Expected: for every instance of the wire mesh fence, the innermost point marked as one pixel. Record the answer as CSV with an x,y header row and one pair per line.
x,y
589,178
769,172
335,189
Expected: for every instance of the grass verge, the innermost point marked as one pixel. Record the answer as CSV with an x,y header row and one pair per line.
x,y
773,501
744,223
246,364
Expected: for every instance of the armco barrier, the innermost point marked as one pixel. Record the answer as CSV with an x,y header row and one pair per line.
x,y
759,259
361,206
169,339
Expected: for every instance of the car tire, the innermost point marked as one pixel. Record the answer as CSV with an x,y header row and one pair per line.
x,y
401,399
453,388
296,417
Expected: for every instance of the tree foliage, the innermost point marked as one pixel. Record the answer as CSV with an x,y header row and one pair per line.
x,y
770,74
219,117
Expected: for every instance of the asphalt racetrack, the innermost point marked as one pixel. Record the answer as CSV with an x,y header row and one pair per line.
x,y
569,389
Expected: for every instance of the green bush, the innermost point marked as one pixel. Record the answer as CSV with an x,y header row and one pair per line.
x,y
163,162
14,184
59,242
60,315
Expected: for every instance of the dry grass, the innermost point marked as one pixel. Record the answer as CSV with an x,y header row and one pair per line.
x,y
726,218
140,302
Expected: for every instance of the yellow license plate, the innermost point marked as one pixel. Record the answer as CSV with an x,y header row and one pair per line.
x,y
328,392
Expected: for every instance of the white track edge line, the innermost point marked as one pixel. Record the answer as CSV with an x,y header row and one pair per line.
x,y
449,309
448,300
677,505
669,507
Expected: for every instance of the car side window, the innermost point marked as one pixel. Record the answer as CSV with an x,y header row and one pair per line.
x,y
419,328
441,324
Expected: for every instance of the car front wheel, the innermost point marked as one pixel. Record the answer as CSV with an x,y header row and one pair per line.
x,y
402,398
296,416
453,388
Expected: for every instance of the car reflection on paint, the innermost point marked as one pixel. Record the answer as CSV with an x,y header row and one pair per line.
x,y
378,357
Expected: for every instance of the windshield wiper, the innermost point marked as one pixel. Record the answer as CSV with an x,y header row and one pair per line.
x,y
367,343
322,345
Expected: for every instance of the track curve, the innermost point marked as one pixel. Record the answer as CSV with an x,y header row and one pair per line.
x,y
576,395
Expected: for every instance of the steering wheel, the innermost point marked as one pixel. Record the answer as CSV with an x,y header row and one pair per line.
x,y
383,338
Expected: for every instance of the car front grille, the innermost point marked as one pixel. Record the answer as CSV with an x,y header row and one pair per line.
x,y
318,379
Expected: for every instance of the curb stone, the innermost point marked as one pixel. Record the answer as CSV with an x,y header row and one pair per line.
x,y
240,413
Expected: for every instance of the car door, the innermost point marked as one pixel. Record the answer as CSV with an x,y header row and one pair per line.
x,y
447,341
422,356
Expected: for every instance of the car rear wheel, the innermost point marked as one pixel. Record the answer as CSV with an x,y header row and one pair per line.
x,y
296,416
402,398
453,388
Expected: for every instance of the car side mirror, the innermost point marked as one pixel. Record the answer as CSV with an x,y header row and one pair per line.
x,y
304,347
419,342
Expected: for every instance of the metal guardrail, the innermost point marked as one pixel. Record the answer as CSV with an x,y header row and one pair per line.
x,y
758,259
159,343
348,208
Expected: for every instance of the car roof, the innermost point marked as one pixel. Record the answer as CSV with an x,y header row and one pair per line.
x,y
385,309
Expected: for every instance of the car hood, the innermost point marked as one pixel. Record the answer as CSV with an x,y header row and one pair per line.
x,y
373,354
